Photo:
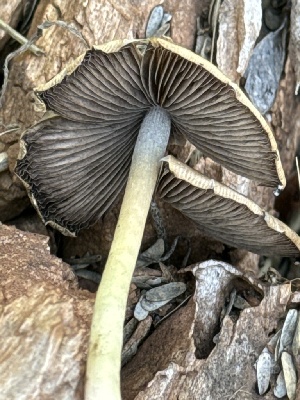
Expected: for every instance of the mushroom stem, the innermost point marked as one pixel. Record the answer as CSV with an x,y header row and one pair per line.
x,y
106,340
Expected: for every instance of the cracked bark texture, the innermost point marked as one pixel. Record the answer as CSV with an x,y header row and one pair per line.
x,y
44,321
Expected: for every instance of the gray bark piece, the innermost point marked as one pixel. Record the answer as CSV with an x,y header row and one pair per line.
x,y
213,279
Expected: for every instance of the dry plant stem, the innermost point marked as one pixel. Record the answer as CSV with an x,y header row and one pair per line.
x,y
19,38
104,358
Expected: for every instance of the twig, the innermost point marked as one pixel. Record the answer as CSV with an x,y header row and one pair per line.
x,y
172,312
19,38
64,25
90,275
9,130
158,221
240,390
30,42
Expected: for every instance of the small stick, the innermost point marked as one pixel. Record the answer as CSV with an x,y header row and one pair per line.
x,y
19,38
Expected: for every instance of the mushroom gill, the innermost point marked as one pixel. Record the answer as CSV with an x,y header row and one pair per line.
x,y
224,214
99,107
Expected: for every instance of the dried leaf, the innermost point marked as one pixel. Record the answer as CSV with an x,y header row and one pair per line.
x,y
131,346
273,341
280,388
289,373
288,331
152,255
265,68
3,161
145,282
153,305
145,271
139,312
166,292
156,281
155,21
296,339
129,328
263,371
168,272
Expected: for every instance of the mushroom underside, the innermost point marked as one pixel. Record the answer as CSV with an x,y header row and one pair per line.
x,y
77,163
225,215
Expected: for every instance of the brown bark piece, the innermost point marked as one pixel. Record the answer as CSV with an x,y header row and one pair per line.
x,y
183,25
245,261
239,27
44,323
172,341
294,42
131,346
42,346
25,259
285,120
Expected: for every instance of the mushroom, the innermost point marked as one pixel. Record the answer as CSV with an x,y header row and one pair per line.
x,y
109,118
223,213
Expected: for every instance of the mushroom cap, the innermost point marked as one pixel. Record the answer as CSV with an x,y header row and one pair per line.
x,y
99,102
224,214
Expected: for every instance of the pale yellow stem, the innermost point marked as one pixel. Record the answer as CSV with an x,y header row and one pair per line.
x,y
104,358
